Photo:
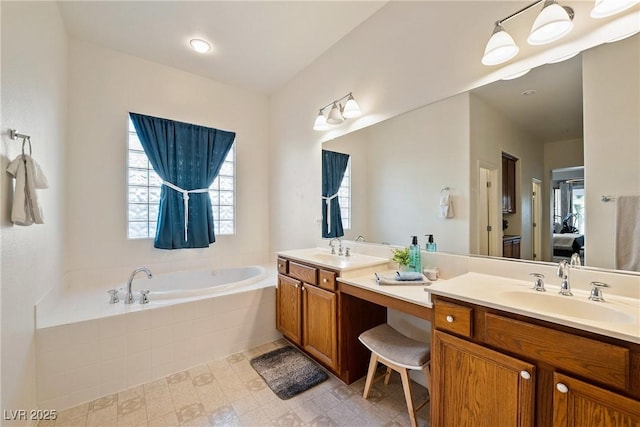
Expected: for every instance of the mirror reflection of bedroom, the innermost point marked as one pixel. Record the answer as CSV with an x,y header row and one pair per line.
x,y
568,210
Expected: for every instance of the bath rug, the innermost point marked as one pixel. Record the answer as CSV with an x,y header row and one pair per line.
x,y
288,372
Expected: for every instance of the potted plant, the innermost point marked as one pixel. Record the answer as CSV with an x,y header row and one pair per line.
x,y
401,256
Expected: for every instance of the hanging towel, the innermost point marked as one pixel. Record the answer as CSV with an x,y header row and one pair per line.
x,y
446,204
628,233
29,176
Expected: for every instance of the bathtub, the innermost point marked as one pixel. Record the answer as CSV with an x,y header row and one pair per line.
x,y
87,348
185,284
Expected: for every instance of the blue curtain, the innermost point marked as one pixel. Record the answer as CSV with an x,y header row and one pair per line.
x,y
187,157
334,166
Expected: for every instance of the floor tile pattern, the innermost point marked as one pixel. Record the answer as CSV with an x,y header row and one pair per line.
x,y
228,392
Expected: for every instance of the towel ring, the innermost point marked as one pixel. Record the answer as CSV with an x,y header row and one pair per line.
x,y
25,139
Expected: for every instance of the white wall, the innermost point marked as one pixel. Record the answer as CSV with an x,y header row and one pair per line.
x,y
393,62
405,162
611,93
34,100
492,134
104,86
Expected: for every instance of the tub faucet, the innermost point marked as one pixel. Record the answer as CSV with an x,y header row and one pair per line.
x,y
563,273
128,299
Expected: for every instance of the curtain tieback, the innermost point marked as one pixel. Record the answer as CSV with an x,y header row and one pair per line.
x,y
185,200
327,202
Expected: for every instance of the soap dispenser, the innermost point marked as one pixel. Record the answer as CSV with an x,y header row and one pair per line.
x,y
415,261
431,245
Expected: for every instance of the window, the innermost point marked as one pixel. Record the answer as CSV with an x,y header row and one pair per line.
x,y
344,197
144,193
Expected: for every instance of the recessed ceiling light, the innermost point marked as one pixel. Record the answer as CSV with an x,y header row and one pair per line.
x,y
200,46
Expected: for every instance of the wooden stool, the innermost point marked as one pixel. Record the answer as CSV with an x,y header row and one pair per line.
x,y
399,353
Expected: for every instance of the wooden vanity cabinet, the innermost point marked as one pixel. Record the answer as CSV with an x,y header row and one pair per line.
x,y
509,200
311,313
511,246
487,364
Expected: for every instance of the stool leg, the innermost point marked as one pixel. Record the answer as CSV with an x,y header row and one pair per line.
x,y
406,385
427,377
373,364
387,376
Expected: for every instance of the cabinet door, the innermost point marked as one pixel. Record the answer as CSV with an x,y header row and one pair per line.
x,y
288,308
320,325
479,387
576,403
508,184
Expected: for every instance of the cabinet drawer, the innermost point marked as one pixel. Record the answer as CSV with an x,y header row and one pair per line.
x,y
453,318
283,266
327,280
303,272
588,358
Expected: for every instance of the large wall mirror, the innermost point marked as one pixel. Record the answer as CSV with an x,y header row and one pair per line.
x,y
533,165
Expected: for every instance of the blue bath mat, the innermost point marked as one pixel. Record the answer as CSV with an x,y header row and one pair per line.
x,y
288,372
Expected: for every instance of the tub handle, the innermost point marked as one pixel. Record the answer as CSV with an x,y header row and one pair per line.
x,y
114,296
144,296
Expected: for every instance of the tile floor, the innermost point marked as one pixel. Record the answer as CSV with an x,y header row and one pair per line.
x,y
228,392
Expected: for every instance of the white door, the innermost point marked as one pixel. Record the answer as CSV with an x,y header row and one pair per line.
x,y
489,231
536,215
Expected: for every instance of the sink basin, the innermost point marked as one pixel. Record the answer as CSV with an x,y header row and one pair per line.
x,y
567,306
324,257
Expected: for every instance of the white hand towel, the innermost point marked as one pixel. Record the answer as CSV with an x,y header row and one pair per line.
x,y
446,205
26,210
628,233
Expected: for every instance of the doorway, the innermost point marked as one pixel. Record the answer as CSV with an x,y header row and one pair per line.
x,y
488,226
536,219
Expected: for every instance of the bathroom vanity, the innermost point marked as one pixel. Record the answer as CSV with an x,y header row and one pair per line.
x,y
500,367
312,313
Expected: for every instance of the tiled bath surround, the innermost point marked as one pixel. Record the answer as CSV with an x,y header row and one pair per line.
x,y
79,362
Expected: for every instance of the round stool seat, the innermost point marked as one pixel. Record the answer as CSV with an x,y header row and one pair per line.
x,y
395,347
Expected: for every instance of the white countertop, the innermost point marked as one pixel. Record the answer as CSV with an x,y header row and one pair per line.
x,y
323,258
617,317
410,292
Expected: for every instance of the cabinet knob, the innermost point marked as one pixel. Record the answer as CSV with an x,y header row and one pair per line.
x,y
562,388
279,265
526,375
325,280
303,289
449,318
296,286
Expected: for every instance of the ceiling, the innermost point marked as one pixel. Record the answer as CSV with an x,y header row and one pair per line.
x,y
258,45
553,112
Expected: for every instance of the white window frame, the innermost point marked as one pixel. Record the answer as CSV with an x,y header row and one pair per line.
x,y
218,189
344,197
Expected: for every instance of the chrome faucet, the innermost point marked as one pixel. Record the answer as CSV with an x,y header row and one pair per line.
x,y
333,249
128,299
563,272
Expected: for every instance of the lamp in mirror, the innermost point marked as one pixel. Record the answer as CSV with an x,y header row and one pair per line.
x,y
337,113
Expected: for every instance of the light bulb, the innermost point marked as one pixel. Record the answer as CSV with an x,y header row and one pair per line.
x,y
500,47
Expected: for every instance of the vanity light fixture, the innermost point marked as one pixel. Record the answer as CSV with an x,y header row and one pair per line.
x,y
553,22
337,113
604,8
200,46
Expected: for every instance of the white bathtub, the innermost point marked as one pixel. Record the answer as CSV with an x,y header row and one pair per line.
x,y
185,284
87,348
